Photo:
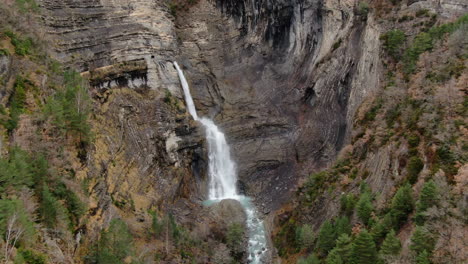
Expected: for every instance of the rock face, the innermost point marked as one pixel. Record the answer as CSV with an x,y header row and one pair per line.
x,y
282,78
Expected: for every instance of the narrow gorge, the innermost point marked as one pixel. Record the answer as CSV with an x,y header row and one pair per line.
x,y
233,131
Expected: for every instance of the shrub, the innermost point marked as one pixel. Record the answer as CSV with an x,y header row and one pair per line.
x,y
23,46
392,42
415,165
156,225
13,209
27,5
363,9
423,258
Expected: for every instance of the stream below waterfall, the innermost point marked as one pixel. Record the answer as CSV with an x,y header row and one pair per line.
x,y
223,177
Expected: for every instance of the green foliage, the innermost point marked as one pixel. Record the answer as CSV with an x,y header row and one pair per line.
x,y
13,209
341,253
315,184
16,104
424,41
348,202
74,206
402,205
16,170
363,9
342,226
372,113
334,258
157,226
30,257
415,166
69,108
423,258
312,259
365,208
445,159
381,228
23,46
391,245
392,42
234,239
49,208
363,249
427,199
115,244
392,115
4,52
422,240
27,5
326,238
305,236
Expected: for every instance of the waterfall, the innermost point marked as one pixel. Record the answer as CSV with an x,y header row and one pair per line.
x,y
223,177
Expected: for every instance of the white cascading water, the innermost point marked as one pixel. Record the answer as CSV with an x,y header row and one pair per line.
x,y
223,177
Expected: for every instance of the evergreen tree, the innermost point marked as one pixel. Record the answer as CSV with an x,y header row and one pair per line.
x,y
311,259
342,226
422,240
391,245
423,258
348,202
427,198
49,208
342,249
381,228
326,238
402,205
365,208
334,258
305,236
363,249
115,244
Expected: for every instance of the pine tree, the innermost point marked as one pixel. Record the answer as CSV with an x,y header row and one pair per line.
x,y
402,204
363,249
391,245
326,238
428,195
334,258
312,259
427,198
49,208
381,228
115,244
342,249
305,236
422,240
423,258
365,208
342,226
